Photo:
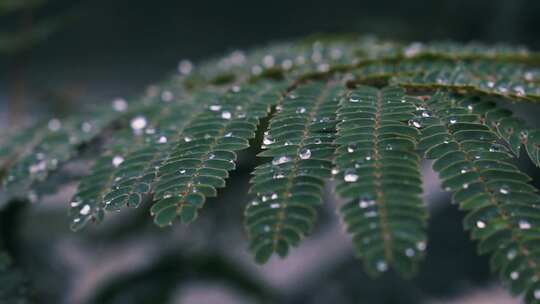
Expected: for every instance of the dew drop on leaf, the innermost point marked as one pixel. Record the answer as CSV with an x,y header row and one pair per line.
x,y
215,108
480,224
524,224
54,124
226,115
350,176
138,123
119,105
85,210
305,153
117,160
281,160
382,266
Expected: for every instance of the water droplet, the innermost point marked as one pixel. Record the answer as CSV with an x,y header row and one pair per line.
x,y
453,121
287,64
382,266
537,294
415,124
182,171
266,228
226,115
354,99
215,108
187,139
524,224
267,140
350,176
185,67
85,210
480,225
274,206
162,140
138,123
119,105
470,108
335,171
350,148
256,70
413,49
268,61
54,124
75,203
410,252
167,96
229,134
504,190
514,275
38,167
426,114
370,214
490,84
305,153
281,160
300,110
520,90
278,176
365,203
465,186
511,254
421,246
117,160
317,141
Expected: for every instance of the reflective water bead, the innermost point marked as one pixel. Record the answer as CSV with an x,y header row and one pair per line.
x,y
167,96
162,140
215,108
226,115
281,160
504,190
514,275
185,67
117,160
274,205
421,245
354,99
301,110
350,176
138,123
85,210
409,252
54,124
537,294
382,266
119,105
524,224
480,224
304,153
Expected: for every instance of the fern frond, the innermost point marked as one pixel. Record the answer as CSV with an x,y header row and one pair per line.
x,y
378,173
502,207
288,188
511,129
199,163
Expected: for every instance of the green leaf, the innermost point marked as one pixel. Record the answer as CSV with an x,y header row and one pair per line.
x,y
378,172
289,188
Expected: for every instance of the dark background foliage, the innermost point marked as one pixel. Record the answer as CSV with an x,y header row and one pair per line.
x,y
106,49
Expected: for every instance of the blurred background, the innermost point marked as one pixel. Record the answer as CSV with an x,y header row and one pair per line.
x,y
84,51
